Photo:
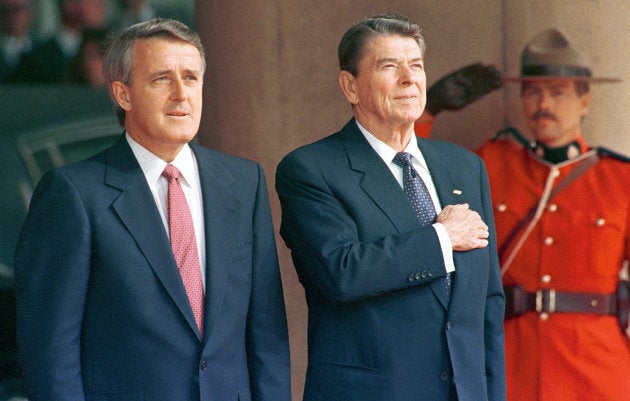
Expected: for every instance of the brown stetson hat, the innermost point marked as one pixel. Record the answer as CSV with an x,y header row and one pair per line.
x,y
549,55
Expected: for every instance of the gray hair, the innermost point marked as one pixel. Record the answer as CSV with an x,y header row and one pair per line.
x,y
117,63
351,47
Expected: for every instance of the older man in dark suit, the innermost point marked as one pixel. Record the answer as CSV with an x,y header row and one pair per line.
x,y
393,239
149,272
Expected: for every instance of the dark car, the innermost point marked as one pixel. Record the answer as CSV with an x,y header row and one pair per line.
x,y
40,128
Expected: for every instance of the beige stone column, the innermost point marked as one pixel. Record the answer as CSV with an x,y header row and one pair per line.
x,y
253,100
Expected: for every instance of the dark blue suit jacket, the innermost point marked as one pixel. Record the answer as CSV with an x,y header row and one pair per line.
x,y
379,326
102,311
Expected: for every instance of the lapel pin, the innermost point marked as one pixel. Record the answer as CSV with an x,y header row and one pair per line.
x,y
457,192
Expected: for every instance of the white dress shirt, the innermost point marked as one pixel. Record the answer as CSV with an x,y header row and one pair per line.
x,y
387,153
152,167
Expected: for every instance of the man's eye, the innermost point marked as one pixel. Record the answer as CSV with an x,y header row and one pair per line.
x,y
530,93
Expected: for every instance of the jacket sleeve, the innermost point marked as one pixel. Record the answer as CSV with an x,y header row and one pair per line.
x,y
495,306
267,336
52,267
342,244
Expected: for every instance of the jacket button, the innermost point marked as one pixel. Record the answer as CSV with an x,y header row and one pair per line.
x,y
553,207
204,365
444,376
549,241
411,278
418,276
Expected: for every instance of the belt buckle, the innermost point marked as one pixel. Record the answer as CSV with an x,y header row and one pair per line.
x,y
546,297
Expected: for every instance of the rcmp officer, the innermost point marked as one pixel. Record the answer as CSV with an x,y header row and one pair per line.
x,y
562,213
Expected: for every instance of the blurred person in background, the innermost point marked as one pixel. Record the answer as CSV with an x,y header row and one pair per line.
x,y
51,59
16,17
87,67
134,11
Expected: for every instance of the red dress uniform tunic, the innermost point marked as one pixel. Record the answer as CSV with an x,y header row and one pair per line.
x,y
578,245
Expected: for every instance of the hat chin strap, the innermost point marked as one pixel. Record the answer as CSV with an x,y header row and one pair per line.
x,y
569,71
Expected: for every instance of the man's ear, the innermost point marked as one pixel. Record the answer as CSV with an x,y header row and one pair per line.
x,y
121,94
348,84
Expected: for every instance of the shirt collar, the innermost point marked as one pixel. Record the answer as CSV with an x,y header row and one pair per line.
x,y
152,166
387,153
561,153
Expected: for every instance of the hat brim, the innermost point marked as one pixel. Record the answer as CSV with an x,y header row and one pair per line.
x,y
594,80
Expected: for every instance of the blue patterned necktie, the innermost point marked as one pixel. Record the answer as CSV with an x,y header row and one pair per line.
x,y
420,199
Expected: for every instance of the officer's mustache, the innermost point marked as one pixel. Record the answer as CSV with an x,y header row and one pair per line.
x,y
543,114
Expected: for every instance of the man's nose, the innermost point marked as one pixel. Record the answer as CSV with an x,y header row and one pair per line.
x,y
407,74
543,101
178,90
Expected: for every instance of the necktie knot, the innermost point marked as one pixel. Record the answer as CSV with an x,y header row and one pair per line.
x,y
402,159
170,172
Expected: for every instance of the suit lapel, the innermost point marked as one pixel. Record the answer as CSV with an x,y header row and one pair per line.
x,y
378,182
448,185
220,205
137,210
451,191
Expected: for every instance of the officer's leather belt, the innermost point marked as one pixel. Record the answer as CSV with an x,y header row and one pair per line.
x,y
551,301
518,301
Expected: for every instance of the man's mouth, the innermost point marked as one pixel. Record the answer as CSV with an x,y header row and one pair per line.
x,y
543,114
177,113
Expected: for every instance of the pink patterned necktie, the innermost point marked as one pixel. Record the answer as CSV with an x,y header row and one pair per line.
x,y
184,243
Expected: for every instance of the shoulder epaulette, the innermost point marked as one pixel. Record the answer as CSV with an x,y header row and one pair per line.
x,y
514,133
609,153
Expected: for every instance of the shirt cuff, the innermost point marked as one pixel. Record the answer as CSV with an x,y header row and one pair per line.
x,y
447,247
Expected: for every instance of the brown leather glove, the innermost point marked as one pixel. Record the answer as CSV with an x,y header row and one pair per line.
x,y
462,87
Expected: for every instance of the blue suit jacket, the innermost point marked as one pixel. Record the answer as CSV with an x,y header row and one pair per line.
x,y
102,311
379,326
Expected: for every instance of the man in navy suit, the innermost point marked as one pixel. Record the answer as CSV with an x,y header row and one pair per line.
x,y
103,313
384,324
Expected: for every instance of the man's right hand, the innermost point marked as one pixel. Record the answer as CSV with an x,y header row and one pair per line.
x,y
464,227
